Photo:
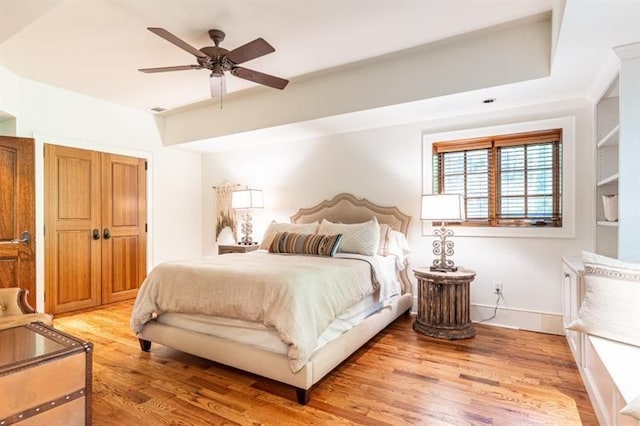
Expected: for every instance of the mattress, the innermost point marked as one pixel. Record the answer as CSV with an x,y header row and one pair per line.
x,y
258,335
261,336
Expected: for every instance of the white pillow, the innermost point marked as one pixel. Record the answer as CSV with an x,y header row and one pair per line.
x,y
274,227
398,247
611,306
360,238
383,245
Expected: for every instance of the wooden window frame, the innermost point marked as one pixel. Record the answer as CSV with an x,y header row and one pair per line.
x,y
493,144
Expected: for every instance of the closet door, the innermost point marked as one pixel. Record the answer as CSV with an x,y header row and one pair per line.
x,y
72,229
123,226
95,230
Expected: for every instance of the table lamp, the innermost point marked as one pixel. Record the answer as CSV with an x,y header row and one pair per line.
x,y
247,199
443,208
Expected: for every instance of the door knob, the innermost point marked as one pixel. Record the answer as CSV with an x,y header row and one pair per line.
x,y
107,234
24,238
96,234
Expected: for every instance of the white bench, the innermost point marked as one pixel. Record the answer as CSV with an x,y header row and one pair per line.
x,y
611,373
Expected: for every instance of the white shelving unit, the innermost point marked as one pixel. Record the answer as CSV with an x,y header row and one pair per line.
x,y
607,223
607,121
609,179
610,138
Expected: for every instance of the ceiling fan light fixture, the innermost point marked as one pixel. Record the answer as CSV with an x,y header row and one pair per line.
x,y
218,86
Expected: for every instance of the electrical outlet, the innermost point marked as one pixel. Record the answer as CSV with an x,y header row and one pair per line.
x,y
497,287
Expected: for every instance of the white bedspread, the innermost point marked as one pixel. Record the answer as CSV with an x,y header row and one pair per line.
x,y
297,295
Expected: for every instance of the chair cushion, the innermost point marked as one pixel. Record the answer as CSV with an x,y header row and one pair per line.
x,y
9,321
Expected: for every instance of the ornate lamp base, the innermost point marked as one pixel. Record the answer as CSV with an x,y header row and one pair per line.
x,y
443,248
247,230
439,269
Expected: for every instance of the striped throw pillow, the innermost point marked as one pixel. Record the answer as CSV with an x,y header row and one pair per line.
x,y
314,244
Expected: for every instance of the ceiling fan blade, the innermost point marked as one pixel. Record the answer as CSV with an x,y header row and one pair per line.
x,y
176,68
246,52
178,42
218,86
259,77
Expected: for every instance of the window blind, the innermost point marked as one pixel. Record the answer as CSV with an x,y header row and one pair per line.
x,y
506,180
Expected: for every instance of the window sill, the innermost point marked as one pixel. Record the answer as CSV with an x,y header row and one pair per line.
x,y
503,232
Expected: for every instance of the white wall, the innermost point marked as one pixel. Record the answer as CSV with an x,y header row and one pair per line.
x,y
8,127
56,116
385,166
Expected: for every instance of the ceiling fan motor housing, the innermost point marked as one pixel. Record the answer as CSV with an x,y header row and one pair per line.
x,y
216,63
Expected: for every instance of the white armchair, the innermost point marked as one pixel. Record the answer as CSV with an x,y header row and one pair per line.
x,y
15,310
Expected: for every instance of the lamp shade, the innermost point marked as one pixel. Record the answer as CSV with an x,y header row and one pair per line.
x,y
442,207
247,199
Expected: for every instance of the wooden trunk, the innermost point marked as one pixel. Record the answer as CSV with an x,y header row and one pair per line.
x,y
45,377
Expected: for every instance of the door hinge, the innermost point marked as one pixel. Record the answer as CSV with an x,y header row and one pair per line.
x,y
145,227
145,165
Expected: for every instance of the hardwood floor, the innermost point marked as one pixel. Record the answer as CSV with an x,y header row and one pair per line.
x,y
501,376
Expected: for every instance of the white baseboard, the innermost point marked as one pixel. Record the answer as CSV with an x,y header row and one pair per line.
x,y
519,319
543,322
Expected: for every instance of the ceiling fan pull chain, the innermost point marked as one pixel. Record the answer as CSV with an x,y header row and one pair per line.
x,y
221,93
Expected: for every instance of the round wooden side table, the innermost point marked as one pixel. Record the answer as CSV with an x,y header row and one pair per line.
x,y
443,303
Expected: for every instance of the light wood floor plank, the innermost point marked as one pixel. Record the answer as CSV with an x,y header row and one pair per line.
x,y
501,376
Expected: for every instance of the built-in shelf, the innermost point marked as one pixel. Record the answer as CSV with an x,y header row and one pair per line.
x,y
607,149
607,223
608,179
610,138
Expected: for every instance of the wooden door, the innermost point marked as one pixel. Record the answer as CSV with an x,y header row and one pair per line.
x,y
72,228
123,226
17,215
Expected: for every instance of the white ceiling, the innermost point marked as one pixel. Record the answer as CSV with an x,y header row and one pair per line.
x,y
94,47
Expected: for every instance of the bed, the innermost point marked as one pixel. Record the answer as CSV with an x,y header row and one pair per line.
x,y
177,330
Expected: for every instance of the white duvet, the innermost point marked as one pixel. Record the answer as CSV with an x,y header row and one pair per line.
x,y
297,295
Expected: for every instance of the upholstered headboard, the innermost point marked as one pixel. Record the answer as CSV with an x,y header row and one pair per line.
x,y
346,208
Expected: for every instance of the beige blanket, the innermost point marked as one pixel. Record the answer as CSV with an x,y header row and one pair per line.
x,y
297,295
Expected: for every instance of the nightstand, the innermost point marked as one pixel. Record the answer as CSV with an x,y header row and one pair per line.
x,y
237,248
443,303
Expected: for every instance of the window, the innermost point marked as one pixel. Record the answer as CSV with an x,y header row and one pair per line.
x,y
506,180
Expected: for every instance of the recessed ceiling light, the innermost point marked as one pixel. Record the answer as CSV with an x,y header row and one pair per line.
x,y
488,100
157,109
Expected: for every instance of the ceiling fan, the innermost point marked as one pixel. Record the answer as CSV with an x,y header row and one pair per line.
x,y
219,60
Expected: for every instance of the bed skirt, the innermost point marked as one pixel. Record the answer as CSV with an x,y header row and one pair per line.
x,y
273,365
